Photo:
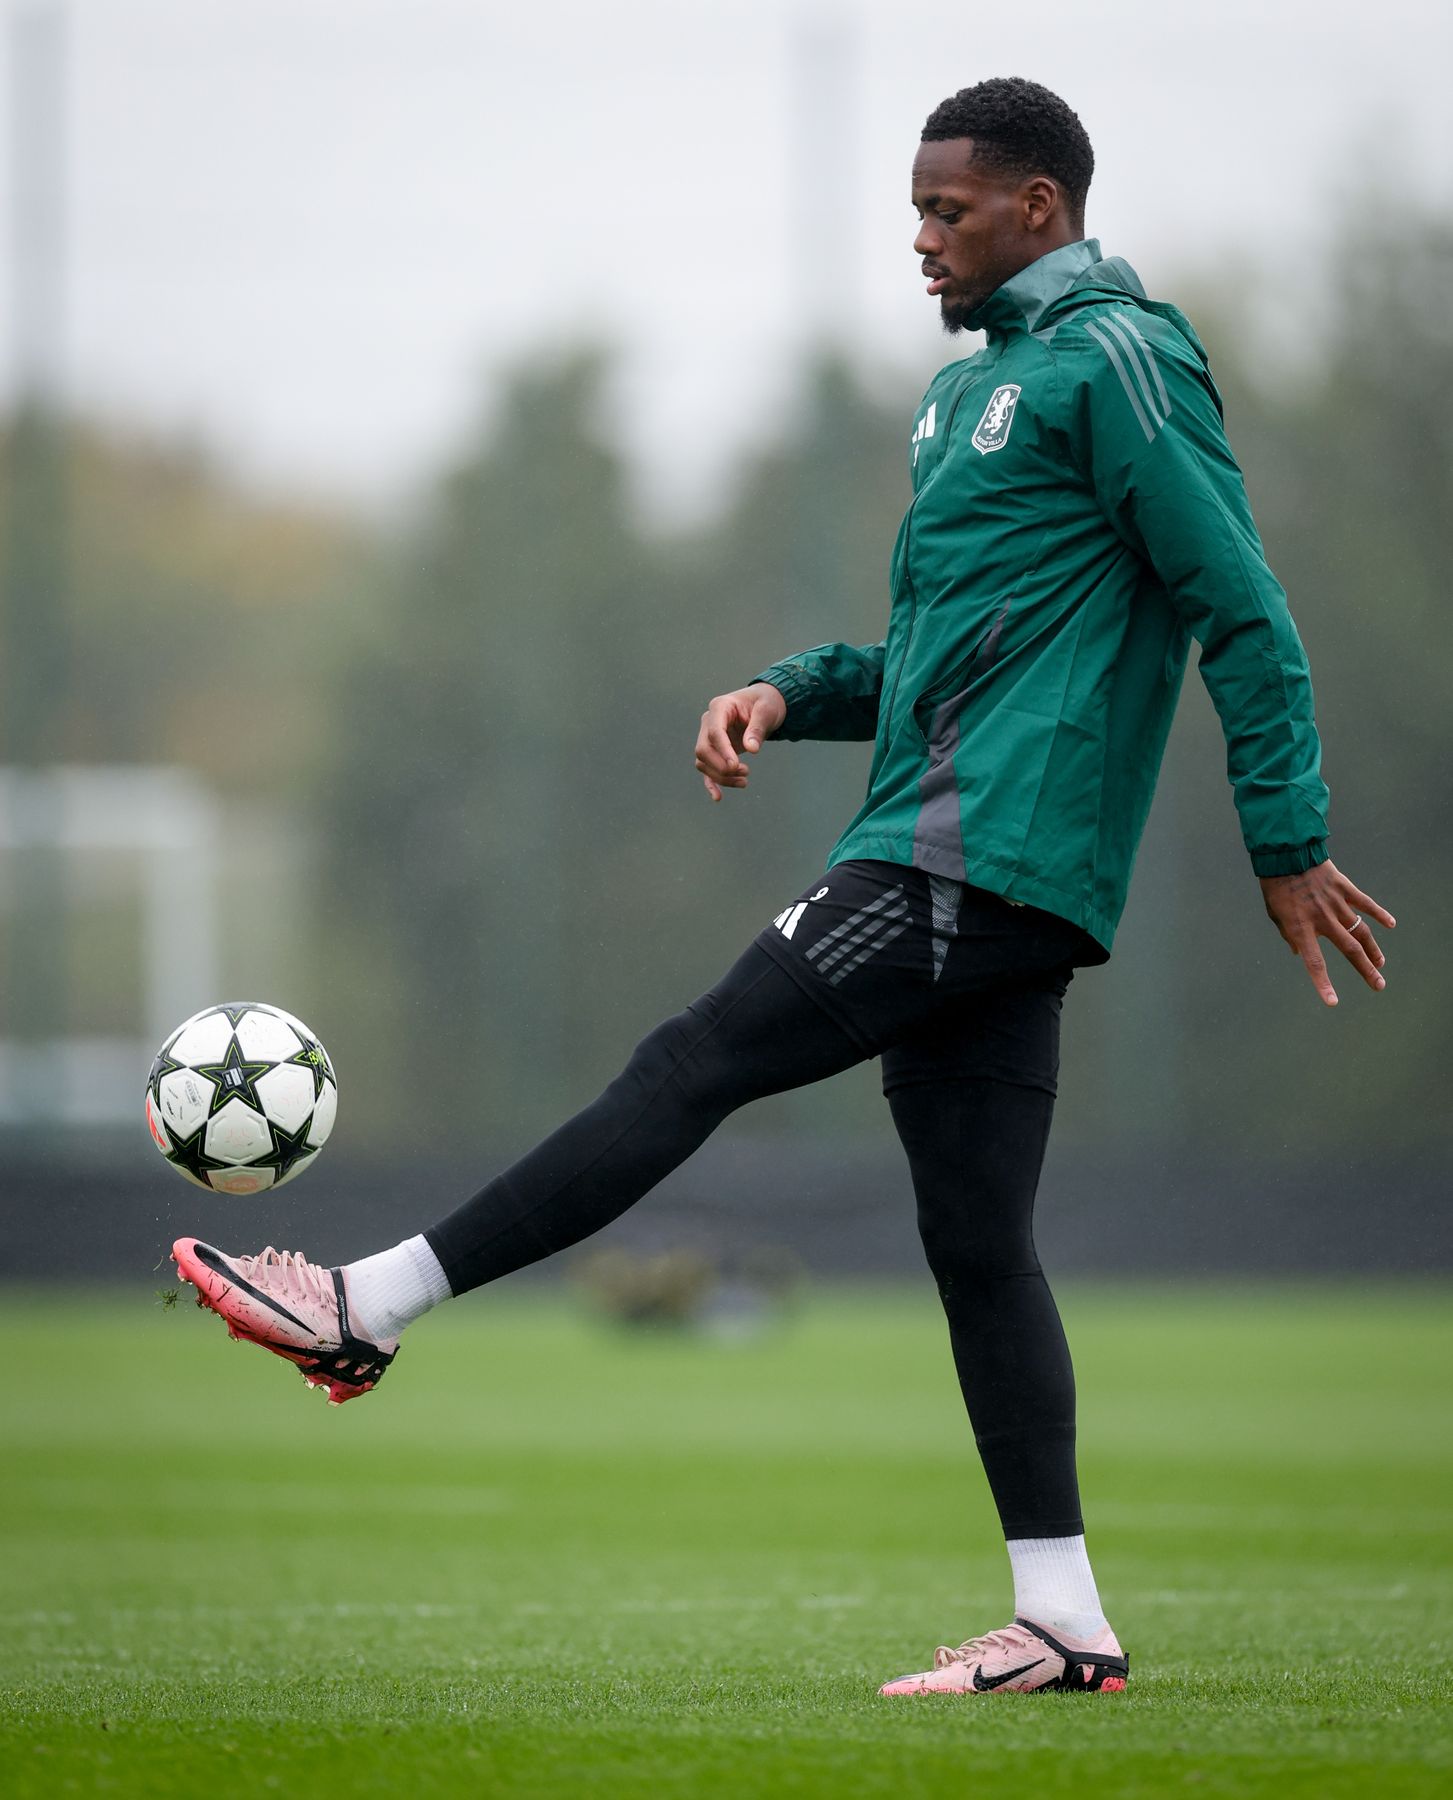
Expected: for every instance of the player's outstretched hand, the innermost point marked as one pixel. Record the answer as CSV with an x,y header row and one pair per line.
x,y
1323,903
734,724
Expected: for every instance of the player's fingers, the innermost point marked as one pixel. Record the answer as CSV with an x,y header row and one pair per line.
x,y
713,773
708,752
714,746
1366,903
1362,931
1311,954
1351,947
713,792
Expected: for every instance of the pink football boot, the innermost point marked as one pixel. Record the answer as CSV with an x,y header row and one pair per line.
x,y
1022,1658
291,1307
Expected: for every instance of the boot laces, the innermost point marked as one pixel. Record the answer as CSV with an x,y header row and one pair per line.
x,y
292,1272
1013,1638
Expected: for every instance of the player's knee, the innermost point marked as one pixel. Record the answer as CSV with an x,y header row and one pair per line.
x,y
658,1052
677,1054
968,1244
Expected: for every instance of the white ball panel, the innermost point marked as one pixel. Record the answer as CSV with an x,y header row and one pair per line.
x,y
242,1181
297,1024
307,1034
286,1093
324,1113
203,1039
186,1099
236,1135
266,1038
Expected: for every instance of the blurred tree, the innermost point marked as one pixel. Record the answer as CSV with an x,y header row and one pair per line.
x,y
530,876
483,721
34,634
199,623
529,868
1352,471
1204,1028
202,618
477,790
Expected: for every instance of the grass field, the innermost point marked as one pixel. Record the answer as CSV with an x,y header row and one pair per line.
x,y
549,1558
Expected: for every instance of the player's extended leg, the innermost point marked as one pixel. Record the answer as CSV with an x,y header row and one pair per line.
x,y
975,1143
756,1033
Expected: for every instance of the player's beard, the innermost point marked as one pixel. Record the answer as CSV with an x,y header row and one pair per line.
x,y
955,315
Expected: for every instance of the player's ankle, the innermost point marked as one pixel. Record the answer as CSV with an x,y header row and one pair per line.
x,y
388,1291
1054,1586
1078,1627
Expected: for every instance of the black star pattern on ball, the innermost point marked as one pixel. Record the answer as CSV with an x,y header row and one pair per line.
x,y
235,1078
289,1148
314,1058
165,1064
234,1009
188,1154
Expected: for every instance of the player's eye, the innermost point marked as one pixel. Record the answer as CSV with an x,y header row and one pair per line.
x,y
949,218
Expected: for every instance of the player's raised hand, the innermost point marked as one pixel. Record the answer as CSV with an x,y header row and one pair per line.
x,y
1323,903
732,725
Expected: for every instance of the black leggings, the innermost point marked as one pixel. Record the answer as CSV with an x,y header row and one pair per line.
x,y
975,1142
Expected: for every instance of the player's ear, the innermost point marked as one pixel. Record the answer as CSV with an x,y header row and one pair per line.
x,y
1040,198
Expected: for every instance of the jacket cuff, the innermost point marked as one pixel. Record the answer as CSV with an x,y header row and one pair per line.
x,y
792,683
1289,859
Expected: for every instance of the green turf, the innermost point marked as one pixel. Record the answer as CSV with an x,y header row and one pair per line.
x,y
548,1558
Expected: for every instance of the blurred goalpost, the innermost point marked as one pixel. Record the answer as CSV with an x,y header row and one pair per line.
x,y
152,831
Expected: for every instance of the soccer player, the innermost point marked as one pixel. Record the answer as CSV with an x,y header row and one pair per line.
x,y
1077,518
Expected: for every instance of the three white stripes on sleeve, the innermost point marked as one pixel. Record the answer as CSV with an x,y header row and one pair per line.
x,y
1146,390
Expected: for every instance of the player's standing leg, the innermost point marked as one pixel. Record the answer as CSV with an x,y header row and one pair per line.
x,y
972,1098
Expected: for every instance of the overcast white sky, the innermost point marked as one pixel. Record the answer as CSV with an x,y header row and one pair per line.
x,y
309,231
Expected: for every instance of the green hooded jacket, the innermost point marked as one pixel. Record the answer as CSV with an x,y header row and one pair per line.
x,y
1077,518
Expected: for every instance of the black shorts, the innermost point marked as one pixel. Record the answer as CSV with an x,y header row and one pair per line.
x,y
942,980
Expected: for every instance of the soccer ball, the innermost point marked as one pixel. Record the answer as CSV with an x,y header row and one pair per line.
x,y
241,1097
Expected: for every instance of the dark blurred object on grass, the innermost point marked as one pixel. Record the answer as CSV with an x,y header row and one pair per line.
x,y
683,1288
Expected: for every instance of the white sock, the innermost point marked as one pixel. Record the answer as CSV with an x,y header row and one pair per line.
x,y
1055,1587
389,1291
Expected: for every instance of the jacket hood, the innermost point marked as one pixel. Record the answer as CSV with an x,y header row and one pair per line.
x,y
1110,280
1052,290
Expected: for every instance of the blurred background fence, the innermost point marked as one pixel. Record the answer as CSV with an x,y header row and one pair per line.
x,y
409,753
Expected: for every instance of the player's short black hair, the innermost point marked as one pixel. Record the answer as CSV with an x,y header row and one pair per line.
x,y
1019,128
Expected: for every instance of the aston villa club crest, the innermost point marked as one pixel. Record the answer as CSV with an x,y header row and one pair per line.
x,y
992,431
